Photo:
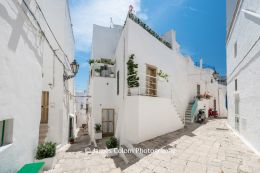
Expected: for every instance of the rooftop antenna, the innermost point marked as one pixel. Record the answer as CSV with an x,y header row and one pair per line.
x,y
111,23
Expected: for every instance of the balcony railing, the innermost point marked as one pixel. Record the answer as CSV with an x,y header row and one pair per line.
x,y
103,70
151,86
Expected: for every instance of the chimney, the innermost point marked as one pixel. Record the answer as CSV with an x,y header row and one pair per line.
x,y
201,63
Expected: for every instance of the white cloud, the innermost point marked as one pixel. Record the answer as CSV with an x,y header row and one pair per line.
x,y
193,9
85,13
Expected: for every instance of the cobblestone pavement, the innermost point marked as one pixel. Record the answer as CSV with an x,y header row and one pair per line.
x,y
209,148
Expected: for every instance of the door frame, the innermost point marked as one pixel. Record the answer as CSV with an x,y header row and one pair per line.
x,y
45,107
198,89
113,121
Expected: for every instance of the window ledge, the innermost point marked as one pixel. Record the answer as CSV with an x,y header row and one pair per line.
x,y
5,147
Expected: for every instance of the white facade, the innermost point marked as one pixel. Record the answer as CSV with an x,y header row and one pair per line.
x,y
140,117
28,67
81,98
243,64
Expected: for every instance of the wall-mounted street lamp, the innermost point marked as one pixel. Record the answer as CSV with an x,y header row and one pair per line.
x,y
75,68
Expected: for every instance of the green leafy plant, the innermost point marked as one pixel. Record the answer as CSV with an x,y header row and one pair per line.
x,y
98,70
105,61
46,150
98,128
132,79
112,143
163,75
91,61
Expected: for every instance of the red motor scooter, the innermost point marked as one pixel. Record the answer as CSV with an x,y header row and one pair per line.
x,y
212,113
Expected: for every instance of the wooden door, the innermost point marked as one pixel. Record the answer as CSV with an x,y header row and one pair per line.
x,y
45,107
151,82
107,122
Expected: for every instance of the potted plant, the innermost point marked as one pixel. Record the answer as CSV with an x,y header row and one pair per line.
x,y
45,153
112,74
132,79
112,147
72,140
97,72
98,134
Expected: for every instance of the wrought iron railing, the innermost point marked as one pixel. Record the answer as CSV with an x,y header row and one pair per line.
x,y
194,109
150,86
103,70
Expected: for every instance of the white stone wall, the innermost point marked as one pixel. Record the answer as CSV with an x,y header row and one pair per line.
x,y
245,68
61,103
28,67
20,85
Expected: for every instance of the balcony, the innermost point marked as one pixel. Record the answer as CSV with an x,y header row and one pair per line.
x,y
153,86
105,68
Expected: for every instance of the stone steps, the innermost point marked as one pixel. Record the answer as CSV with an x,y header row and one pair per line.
x,y
188,113
43,133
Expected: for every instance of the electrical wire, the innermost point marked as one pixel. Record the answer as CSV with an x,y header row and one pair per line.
x,y
43,34
52,33
53,50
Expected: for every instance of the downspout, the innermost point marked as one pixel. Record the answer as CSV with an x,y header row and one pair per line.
x,y
3,133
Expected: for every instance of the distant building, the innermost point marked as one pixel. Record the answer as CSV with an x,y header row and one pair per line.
x,y
36,102
243,70
81,109
141,86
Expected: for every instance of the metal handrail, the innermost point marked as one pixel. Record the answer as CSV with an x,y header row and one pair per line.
x,y
147,84
194,108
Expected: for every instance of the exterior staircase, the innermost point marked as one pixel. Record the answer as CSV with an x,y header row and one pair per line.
x,y
188,113
43,132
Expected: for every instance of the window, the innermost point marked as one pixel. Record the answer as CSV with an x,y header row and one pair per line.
x,y
6,132
235,50
235,84
117,80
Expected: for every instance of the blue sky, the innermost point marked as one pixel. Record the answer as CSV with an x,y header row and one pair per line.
x,y
200,26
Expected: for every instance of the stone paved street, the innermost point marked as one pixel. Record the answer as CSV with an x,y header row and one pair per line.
x,y
209,148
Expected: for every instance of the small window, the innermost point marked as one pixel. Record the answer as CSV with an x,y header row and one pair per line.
x,y
6,132
235,50
117,80
235,84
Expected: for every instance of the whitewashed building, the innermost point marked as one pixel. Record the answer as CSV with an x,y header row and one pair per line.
x,y
137,109
243,69
37,48
81,115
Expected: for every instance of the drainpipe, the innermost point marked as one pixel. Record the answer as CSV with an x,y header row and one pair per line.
x,y
3,133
